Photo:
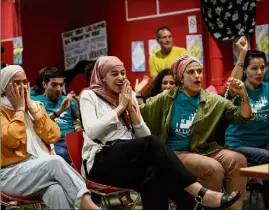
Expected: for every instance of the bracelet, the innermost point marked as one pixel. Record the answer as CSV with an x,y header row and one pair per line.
x,y
55,114
139,96
240,64
244,99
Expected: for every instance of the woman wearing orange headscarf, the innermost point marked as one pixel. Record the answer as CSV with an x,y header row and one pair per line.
x,y
119,150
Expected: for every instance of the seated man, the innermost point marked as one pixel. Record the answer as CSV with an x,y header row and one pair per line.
x,y
27,168
61,109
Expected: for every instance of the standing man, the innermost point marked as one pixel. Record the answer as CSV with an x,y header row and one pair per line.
x,y
163,58
61,109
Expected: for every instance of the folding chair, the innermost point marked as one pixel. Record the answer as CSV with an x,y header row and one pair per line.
x,y
12,202
74,142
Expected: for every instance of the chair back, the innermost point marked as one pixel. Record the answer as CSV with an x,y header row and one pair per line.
x,y
74,143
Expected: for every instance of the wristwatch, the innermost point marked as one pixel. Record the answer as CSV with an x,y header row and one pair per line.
x,y
55,114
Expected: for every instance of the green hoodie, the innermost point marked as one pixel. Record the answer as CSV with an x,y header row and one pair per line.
x,y
212,112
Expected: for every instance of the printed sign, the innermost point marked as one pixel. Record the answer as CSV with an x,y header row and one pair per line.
x,y
192,24
85,43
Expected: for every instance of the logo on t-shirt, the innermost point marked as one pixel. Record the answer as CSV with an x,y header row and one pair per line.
x,y
183,128
260,109
258,105
61,119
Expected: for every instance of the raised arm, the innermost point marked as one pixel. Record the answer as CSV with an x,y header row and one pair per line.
x,y
242,45
139,87
237,87
13,128
44,127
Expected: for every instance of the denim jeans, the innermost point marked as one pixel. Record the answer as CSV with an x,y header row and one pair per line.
x,y
61,150
255,155
51,178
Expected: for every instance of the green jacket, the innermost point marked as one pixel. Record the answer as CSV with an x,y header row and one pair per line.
x,y
213,110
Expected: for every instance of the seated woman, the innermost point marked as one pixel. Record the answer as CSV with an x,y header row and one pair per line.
x,y
186,118
27,168
163,81
119,150
251,139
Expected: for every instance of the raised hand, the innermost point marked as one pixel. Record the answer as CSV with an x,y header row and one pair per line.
x,y
130,107
139,86
67,101
236,87
124,96
242,44
30,105
15,94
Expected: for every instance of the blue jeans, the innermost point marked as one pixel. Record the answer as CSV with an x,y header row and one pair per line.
x,y
61,150
255,155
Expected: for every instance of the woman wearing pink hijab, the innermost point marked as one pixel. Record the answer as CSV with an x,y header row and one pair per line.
x,y
119,150
186,119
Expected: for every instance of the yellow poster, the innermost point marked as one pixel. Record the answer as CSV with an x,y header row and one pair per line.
x,y
262,37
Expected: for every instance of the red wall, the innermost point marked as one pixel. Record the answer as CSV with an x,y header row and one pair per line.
x,y
7,11
7,56
143,30
42,29
122,33
7,30
42,25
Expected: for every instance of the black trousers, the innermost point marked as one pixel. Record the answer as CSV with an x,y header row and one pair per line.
x,y
146,165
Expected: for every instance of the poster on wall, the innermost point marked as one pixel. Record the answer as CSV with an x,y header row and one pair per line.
x,y
85,43
262,39
195,46
153,46
138,57
17,50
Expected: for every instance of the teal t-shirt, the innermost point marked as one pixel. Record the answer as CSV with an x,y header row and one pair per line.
x,y
256,133
65,121
183,113
33,93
